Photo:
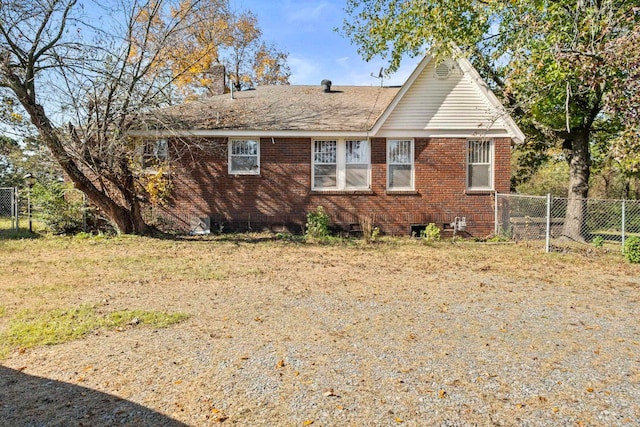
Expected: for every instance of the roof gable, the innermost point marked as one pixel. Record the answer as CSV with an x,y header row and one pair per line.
x,y
460,104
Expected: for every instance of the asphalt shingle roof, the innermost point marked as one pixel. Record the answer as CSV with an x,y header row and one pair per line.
x,y
286,107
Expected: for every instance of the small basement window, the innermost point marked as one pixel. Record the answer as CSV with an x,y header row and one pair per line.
x,y
416,230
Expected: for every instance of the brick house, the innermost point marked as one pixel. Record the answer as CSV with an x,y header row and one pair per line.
x,y
433,150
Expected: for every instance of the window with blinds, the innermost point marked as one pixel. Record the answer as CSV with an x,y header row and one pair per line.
x,y
356,164
480,165
400,164
341,164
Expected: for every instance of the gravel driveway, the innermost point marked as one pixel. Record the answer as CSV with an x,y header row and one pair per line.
x,y
295,335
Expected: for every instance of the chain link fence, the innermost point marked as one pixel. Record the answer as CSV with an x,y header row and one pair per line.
x,y
19,212
9,209
545,218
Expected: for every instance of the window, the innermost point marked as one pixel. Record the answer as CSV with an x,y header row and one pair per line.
x,y
480,165
356,164
400,164
154,153
325,164
244,156
341,164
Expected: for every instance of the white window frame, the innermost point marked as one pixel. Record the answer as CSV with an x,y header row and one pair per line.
x,y
411,162
341,164
154,153
487,159
231,155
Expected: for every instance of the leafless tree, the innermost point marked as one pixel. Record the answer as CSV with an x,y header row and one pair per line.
x,y
83,78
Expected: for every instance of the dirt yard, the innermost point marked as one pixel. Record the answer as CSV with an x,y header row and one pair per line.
x,y
295,334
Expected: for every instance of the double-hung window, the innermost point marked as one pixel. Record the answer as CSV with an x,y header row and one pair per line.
x,y
155,152
480,165
356,164
400,164
325,174
244,156
340,164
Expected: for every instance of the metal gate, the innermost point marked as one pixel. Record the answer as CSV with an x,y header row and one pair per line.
x,y
9,209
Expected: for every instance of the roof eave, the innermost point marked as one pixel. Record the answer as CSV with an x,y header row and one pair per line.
x,y
224,133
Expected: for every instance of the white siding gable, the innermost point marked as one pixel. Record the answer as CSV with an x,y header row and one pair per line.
x,y
459,105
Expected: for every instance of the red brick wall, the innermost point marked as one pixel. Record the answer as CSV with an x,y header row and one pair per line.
x,y
280,197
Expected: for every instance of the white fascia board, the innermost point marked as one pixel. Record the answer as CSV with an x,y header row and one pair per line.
x,y
467,68
221,133
437,133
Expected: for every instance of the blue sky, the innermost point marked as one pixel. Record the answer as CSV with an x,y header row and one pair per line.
x,y
305,29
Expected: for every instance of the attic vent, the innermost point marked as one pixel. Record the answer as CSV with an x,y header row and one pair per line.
x,y
326,86
443,70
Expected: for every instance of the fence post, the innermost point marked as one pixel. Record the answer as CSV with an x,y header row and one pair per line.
x,y
17,208
624,219
495,227
547,245
29,210
13,209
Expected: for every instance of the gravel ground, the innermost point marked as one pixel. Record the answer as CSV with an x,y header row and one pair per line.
x,y
323,336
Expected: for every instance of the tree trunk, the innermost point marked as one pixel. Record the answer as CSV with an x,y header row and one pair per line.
x,y
126,220
579,170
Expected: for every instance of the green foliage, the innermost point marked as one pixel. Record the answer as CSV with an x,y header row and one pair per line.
x,y
562,68
431,233
598,241
18,160
632,249
317,225
552,177
59,211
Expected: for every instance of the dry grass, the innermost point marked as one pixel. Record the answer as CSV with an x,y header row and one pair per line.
x,y
397,330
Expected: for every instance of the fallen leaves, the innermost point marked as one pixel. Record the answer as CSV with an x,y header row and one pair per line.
x,y
218,415
330,393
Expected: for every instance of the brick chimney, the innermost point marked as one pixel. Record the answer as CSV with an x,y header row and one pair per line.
x,y
218,81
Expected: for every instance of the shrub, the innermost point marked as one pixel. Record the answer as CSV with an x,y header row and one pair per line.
x,y
431,233
632,249
60,213
317,223
598,241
